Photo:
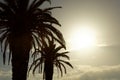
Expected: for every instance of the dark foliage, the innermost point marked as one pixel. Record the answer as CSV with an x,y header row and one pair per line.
x,y
50,55
23,26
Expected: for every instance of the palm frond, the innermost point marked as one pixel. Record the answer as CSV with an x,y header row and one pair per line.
x,y
51,8
37,3
58,65
65,70
36,66
12,4
48,18
33,44
5,49
37,40
66,62
35,54
10,54
61,42
58,48
63,54
2,38
6,8
56,32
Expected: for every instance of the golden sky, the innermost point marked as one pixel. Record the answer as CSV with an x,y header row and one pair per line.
x,y
91,29
91,22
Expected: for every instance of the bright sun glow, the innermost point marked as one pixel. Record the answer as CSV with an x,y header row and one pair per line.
x,y
82,38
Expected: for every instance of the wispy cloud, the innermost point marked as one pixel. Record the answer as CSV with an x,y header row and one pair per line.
x,y
80,72
86,72
102,73
5,75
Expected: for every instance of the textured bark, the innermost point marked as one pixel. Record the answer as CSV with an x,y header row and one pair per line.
x,y
48,70
20,47
19,65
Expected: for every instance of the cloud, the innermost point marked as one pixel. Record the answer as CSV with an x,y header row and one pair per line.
x,y
80,72
5,75
102,73
35,77
86,72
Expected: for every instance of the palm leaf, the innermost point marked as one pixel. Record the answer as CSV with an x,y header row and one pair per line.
x,y
37,40
55,31
38,3
2,38
37,65
50,8
56,39
12,4
66,63
6,8
9,58
48,18
5,49
63,55
64,67
60,68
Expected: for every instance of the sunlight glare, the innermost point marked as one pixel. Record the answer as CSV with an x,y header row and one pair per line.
x,y
82,38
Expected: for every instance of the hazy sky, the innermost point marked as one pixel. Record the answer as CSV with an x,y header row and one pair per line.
x,y
102,62
103,17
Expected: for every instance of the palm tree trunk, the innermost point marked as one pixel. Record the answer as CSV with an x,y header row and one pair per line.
x,y
19,64
20,47
48,70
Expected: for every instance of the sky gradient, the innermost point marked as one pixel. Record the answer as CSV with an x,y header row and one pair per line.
x,y
99,63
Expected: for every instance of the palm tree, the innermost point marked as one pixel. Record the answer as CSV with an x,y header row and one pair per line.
x,y
23,26
50,56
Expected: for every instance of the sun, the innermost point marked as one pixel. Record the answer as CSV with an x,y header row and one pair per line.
x,y
82,38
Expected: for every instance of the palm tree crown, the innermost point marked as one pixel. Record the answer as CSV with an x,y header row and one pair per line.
x,y
17,18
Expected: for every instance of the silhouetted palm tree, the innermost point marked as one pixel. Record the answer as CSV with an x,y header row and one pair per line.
x,y
50,56
23,25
